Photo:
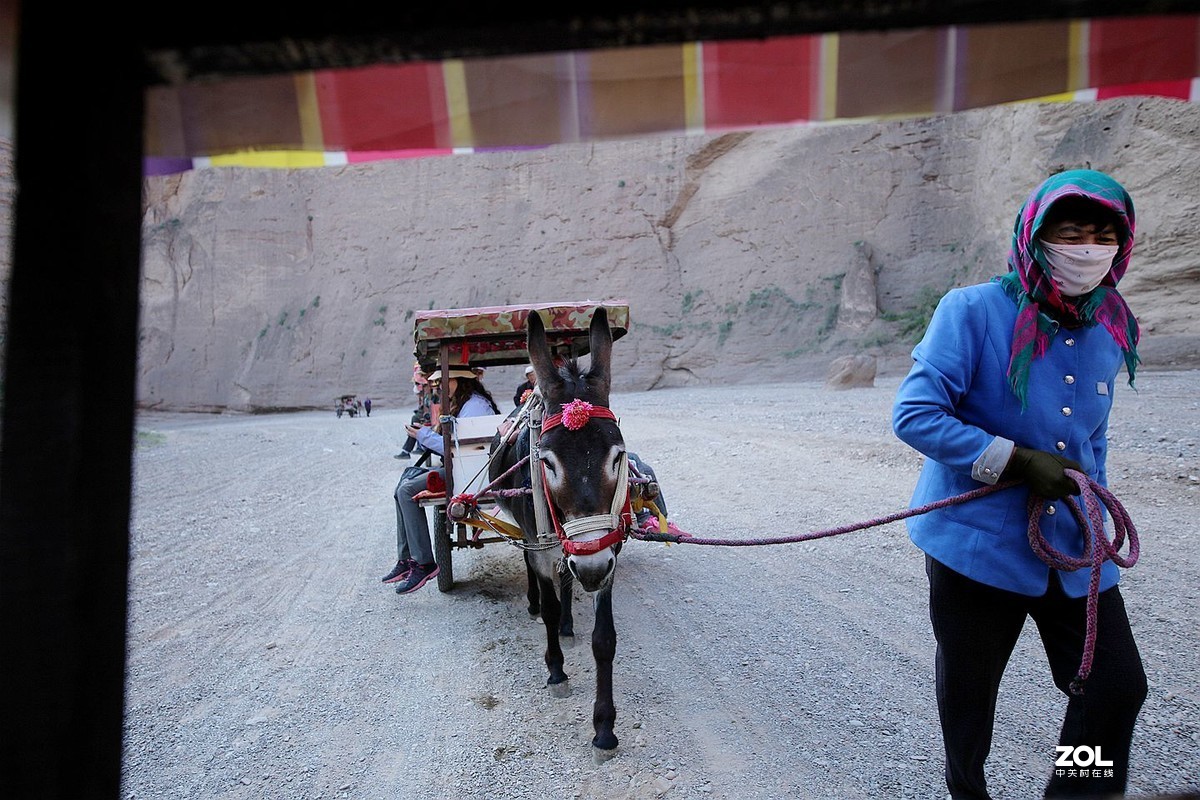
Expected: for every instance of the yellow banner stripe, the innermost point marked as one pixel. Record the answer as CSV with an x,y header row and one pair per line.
x,y
693,86
454,76
311,134
829,75
279,159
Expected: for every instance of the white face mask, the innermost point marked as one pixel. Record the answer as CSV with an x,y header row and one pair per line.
x,y
1078,268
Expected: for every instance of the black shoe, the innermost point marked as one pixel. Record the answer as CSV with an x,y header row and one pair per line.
x,y
403,454
420,575
401,571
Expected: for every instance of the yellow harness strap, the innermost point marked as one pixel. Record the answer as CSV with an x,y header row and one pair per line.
x,y
490,523
639,504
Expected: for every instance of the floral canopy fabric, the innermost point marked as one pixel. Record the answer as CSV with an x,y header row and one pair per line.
x,y
495,335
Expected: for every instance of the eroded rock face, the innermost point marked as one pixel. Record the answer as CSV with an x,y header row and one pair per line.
x,y
747,256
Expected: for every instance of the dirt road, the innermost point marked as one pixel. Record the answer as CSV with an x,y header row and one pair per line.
x,y
266,660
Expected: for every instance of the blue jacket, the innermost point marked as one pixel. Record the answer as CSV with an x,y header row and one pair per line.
x,y
956,407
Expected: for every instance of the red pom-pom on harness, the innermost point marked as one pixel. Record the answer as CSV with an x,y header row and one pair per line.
x,y
575,415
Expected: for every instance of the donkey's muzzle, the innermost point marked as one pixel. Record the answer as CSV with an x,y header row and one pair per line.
x,y
593,571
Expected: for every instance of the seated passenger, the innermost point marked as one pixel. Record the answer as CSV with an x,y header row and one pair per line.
x,y
464,397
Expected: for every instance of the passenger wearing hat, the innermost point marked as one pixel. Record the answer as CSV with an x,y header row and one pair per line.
x,y
523,389
463,396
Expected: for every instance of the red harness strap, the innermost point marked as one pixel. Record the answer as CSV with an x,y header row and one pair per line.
x,y
576,414
575,548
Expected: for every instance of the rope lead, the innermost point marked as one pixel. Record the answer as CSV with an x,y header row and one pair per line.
x,y
1096,547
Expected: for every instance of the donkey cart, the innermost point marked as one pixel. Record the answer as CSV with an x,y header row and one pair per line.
x,y
557,466
487,337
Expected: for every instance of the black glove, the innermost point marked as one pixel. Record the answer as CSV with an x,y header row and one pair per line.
x,y
1044,472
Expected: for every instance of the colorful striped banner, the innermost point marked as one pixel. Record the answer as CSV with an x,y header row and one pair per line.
x,y
429,108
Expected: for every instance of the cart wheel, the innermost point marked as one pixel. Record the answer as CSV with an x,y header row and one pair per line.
x,y
441,551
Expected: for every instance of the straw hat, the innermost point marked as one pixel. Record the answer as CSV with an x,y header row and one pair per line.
x,y
455,372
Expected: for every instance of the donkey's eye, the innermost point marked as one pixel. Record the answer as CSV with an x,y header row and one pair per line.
x,y
549,465
616,463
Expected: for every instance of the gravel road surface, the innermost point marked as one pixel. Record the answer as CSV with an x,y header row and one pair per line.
x,y
266,659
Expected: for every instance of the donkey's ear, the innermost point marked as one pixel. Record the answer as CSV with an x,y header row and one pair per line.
x,y
599,371
539,353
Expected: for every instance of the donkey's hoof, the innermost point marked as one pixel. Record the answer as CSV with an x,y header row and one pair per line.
x,y
567,641
601,756
559,690
535,611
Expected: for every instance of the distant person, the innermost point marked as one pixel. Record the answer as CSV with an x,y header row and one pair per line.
x,y
415,566
367,406
1013,381
521,394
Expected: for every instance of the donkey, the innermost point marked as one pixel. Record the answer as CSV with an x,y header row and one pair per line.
x,y
583,475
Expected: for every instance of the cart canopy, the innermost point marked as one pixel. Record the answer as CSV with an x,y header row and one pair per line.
x,y
495,335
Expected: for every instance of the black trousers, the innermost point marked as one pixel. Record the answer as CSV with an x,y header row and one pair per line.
x,y
977,626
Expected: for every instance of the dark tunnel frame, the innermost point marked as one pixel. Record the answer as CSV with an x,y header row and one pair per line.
x,y
67,436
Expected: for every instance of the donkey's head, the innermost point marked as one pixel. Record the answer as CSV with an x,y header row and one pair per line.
x,y
582,453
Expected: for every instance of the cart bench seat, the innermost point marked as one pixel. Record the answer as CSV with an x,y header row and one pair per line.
x,y
469,458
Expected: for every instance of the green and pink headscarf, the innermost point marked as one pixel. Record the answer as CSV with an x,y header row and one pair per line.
x,y
1038,297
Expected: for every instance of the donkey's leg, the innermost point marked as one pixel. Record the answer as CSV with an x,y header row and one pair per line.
x,y
566,592
554,654
532,593
604,648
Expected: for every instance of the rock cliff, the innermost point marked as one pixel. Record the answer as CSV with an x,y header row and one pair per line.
x,y
747,257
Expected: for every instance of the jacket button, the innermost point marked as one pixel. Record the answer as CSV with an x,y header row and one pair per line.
x,y
1050,511
1069,342
1069,379
1067,411
1061,445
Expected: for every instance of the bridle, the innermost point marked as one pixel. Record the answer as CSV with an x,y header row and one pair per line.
x,y
619,519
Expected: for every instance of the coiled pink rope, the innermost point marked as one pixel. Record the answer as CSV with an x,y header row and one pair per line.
x,y
1096,549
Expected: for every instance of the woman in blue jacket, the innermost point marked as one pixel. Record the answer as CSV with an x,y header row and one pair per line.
x,y
1013,380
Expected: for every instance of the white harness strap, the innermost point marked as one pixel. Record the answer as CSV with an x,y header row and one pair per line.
x,y
541,511
603,522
